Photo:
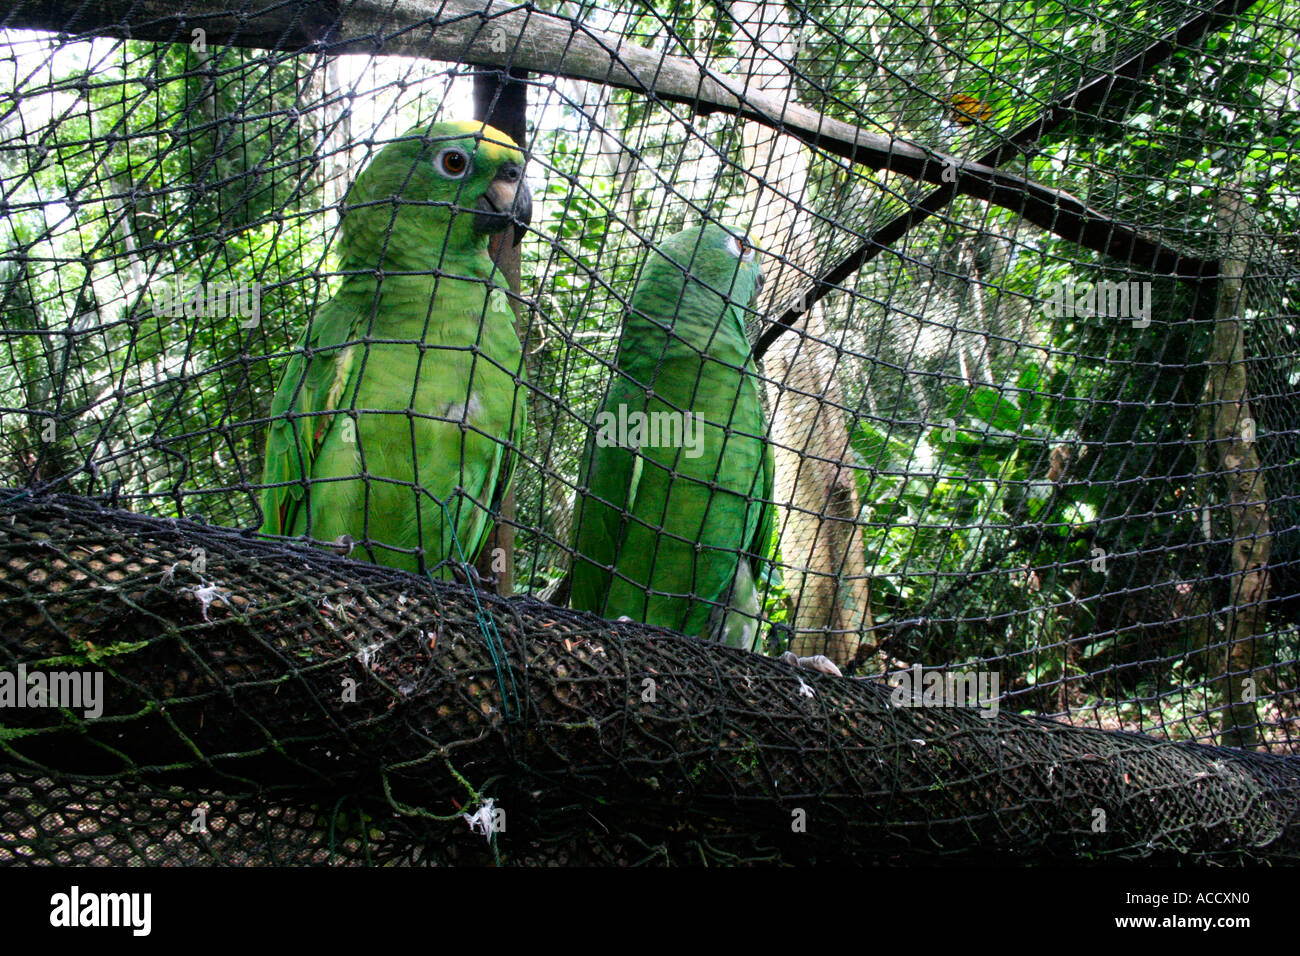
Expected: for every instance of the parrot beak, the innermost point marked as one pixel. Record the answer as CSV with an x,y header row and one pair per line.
x,y
507,200
761,279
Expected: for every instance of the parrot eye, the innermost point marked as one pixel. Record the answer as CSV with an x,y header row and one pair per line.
x,y
452,162
741,250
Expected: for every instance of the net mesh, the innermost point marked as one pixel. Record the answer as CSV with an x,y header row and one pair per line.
x,y
1026,360
311,709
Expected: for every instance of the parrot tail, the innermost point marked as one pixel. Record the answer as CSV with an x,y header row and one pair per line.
x,y
736,623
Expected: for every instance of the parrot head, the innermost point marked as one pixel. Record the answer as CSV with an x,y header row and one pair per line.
x,y
722,261
435,188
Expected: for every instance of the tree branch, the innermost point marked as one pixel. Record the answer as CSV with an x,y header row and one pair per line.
x,y
515,36
1088,95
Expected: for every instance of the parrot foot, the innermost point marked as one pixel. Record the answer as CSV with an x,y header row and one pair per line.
x,y
818,662
469,576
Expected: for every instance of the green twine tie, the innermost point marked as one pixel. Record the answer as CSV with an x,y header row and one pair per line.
x,y
488,628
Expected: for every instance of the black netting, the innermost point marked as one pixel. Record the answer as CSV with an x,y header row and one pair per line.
x,y
1024,361
313,710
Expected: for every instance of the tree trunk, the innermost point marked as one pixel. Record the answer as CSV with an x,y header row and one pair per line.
x,y
818,507
1227,440
504,104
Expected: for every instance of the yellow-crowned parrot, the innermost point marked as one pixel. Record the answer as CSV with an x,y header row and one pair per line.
x,y
393,423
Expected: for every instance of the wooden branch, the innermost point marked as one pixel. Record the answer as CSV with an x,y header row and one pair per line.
x,y
515,36
1086,96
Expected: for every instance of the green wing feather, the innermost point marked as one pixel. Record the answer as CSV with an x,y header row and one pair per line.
x,y
610,478
308,386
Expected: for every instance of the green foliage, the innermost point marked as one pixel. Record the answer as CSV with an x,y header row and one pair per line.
x,y
167,186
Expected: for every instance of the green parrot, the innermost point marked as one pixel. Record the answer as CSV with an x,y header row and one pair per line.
x,y
399,407
674,515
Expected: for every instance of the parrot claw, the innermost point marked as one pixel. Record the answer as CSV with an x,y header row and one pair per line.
x,y
469,576
818,662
